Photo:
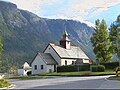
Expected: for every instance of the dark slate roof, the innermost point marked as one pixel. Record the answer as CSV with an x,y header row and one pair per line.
x,y
49,60
73,52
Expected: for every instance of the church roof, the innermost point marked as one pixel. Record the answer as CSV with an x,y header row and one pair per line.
x,y
25,66
74,52
49,60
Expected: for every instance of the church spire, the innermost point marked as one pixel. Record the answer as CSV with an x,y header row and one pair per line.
x,y
65,32
65,41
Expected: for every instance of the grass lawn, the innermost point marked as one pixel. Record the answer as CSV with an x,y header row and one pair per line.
x,y
81,73
28,77
114,78
48,75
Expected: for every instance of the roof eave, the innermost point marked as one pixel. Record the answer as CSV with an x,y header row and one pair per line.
x,y
72,58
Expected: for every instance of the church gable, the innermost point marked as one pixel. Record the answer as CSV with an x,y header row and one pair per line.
x,y
53,53
62,54
65,50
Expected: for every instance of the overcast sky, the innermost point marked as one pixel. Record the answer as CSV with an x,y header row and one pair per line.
x,y
87,10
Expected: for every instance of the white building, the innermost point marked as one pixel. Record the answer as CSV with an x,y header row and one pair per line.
x,y
24,69
63,54
43,63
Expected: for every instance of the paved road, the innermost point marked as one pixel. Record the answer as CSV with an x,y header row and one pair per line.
x,y
92,82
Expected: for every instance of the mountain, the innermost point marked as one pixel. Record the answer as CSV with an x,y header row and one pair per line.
x,y
24,33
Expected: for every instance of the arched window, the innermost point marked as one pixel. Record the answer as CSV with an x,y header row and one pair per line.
x,y
65,62
41,66
35,67
73,62
67,42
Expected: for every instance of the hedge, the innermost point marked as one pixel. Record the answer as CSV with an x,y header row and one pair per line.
x,y
97,68
73,68
110,65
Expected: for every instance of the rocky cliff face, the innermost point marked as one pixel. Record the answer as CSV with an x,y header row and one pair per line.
x,y
24,33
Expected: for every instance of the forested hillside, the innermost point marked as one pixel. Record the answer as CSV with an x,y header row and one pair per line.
x,y
24,34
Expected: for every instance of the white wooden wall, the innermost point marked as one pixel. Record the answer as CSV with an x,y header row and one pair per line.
x,y
69,61
54,54
50,67
46,68
38,61
86,61
22,72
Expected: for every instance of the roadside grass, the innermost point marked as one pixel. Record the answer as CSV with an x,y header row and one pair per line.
x,y
49,75
114,78
27,77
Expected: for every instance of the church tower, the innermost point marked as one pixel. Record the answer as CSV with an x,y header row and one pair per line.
x,y
65,41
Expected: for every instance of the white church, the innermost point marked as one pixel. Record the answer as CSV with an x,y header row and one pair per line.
x,y
58,55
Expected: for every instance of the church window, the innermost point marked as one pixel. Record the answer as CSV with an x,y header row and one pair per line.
x,y
68,42
41,66
65,62
72,62
35,67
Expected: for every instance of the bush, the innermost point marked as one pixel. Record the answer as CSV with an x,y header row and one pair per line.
x,y
4,83
111,65
84,67
73,68
97,68
69,68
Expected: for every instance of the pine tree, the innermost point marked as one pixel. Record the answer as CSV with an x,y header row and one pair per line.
x,y
101,42
115,36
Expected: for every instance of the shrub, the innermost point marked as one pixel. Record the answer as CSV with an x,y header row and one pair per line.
x,y
110,65
97,68
73,68
84,67
69,68
4,83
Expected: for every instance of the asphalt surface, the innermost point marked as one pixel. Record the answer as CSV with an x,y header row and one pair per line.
x,y
91,82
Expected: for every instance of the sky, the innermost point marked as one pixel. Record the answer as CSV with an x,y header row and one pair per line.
x,y
82,10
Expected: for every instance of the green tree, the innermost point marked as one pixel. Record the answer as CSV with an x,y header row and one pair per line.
x,y
1,49
115,36
101,42
1,45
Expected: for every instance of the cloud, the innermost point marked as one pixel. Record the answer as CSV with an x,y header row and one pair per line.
x,y
33,5
84,8
74,9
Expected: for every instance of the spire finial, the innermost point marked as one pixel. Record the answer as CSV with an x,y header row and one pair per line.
x,y
65,32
